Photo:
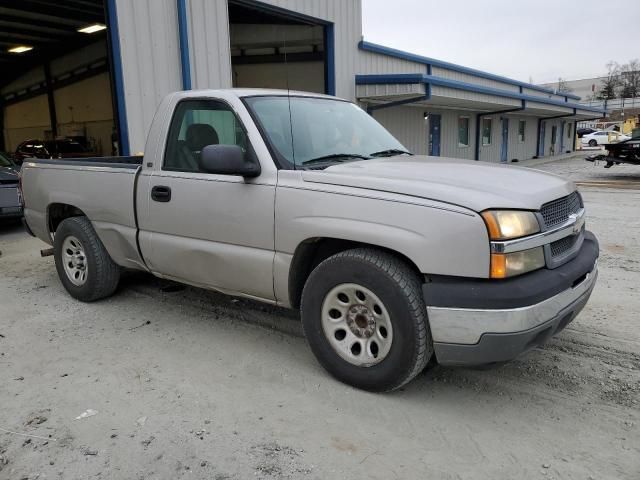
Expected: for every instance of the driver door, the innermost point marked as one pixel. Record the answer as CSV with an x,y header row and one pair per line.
x,y
206,229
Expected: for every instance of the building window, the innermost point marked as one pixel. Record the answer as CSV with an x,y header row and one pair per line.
x,y
486,131
569,130
522,126
463,131
554,135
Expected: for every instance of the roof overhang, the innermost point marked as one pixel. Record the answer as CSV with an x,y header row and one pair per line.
x,y
432,62
454,94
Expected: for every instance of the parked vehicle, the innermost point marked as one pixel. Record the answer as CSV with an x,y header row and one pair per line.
x,y
58,148
30,149
602,137
67,148
305,201
627,151
585,131
10,206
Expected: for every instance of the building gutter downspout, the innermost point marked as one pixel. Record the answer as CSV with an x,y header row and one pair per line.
x,y
482,114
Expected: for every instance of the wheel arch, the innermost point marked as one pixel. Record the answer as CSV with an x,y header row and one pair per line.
x,y
311,252
58,211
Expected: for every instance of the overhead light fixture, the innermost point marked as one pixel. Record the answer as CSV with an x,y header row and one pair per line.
x,y
20,49
96,27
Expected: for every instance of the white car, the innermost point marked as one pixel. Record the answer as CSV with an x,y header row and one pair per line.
x,y
603,136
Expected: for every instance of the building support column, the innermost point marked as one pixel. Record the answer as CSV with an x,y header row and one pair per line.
x,y
3,147
53,117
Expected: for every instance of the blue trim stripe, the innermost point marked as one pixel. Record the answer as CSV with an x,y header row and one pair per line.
x,y
392,52
118,77
329,32
183,31
404,78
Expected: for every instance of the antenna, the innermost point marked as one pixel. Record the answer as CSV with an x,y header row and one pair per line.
x,y
286,70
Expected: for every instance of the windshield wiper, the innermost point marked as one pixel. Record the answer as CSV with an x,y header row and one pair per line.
x,y
390,152
333,156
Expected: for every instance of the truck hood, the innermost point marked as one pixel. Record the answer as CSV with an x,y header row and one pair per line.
x,y
474,185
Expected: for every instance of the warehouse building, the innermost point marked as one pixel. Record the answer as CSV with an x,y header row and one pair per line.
x,y
95,70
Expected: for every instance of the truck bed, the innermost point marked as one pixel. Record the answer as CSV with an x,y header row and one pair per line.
x,y
102,188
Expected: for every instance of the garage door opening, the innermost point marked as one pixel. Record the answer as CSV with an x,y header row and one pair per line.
x,y
272,48
56,91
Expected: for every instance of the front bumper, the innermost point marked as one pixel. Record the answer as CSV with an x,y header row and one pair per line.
x,y
475,322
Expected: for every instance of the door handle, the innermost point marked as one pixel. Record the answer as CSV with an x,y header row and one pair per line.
x,y
160,193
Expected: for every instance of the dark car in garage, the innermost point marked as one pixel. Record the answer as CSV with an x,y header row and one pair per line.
x,y
58,148
9,201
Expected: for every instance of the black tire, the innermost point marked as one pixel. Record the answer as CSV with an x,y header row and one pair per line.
x,y
593,143
400,290
103,274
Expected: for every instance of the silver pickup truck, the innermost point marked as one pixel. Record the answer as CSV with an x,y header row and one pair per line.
x,y
305,201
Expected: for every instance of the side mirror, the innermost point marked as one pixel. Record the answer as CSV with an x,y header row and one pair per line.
x,y
227,160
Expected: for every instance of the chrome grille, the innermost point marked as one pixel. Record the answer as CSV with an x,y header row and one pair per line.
x,y
564,245
557,212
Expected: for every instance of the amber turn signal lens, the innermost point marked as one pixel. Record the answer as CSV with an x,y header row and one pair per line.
x,y
492,225
498,265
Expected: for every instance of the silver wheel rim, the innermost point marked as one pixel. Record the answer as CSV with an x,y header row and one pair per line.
x,y
74,261
357,324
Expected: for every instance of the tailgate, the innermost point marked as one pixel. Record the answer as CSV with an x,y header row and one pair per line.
x,y
9,196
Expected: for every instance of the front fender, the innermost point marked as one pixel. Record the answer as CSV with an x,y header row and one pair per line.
x,y
439,239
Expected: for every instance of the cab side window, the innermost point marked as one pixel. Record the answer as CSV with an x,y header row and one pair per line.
x,y
196,124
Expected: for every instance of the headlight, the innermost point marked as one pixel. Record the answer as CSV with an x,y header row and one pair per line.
x,y
509,224
505,265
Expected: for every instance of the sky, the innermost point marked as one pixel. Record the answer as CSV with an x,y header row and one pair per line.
x,y
526,40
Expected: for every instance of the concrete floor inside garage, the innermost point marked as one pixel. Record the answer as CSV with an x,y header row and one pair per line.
x,y
192,384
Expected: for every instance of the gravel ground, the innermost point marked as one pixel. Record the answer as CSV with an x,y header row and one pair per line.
x,y
191,384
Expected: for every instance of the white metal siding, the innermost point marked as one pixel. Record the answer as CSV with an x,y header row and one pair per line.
x,y
468,78
538,93
209,49
375,63
150,60
516,148
449,145
407,125
473,96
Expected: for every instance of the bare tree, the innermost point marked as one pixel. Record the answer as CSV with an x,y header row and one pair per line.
x,y
563,86
610,83
630,79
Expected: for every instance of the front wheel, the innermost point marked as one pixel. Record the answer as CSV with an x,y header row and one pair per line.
x,y
365,320
593,143
84,266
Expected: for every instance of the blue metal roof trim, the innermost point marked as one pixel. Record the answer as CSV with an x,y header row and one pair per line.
x,y
412,57
118,76
183,34
404,78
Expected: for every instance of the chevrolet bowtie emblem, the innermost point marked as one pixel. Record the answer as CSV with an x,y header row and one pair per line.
x,y
576,224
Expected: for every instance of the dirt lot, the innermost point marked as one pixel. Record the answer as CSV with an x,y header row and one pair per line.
x,y
191,384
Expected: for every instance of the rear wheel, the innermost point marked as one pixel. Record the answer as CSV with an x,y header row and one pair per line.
x,y
84,266
364,317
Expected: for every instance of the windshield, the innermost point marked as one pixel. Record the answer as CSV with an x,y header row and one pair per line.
x,y
4,161
324,131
